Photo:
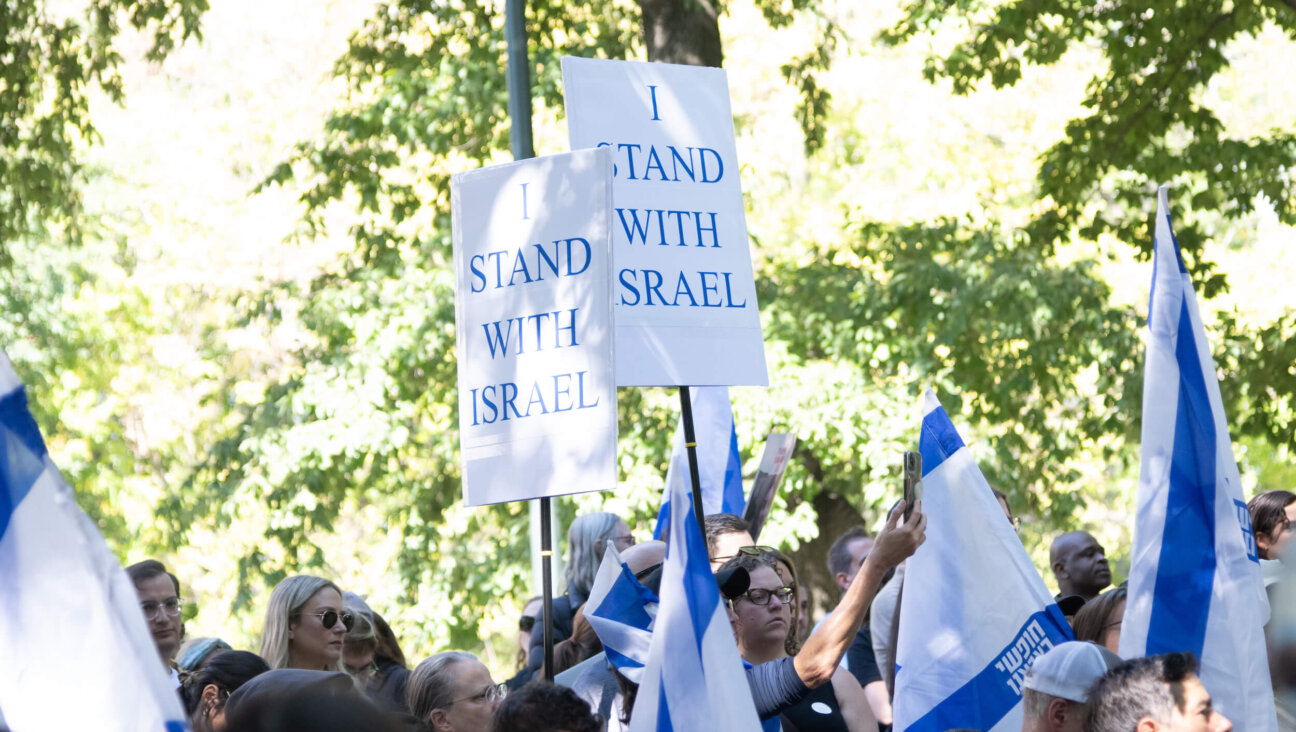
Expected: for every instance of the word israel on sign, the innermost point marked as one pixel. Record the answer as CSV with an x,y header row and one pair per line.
x,y
533,317
683,291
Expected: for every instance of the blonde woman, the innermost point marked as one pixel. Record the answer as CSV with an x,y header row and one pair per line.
x,y
304,625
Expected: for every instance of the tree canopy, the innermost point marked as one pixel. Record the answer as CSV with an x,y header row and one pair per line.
x,y
342,455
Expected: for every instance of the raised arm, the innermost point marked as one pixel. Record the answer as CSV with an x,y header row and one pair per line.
x,y
823,650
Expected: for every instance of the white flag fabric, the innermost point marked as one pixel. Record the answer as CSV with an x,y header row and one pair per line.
x,y
1195,580
621,611
975,612
77,651
694,680
719,466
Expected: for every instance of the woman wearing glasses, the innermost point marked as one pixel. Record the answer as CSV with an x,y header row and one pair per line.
x,y
762,619
304,625
453,692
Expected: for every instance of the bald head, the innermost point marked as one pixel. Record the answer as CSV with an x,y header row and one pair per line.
x,y
643,555
1079,564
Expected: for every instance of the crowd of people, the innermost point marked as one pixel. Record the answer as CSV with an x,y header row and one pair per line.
x,y
328,661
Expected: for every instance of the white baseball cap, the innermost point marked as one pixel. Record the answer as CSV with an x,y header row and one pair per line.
x,y
1068,669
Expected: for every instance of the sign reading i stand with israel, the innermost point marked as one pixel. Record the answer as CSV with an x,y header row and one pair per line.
x,y
975,612
533,317
1195,580
683,290
77,653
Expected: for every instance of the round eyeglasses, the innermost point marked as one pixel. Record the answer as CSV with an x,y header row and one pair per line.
x,y
329,618
490,695
762,597
171,607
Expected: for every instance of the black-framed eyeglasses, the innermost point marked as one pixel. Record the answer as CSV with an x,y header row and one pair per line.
x,y
329,618
490,695
760,596
171,606
526,623
755,550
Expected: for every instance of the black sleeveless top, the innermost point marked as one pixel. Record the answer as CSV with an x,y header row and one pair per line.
x,y
817,712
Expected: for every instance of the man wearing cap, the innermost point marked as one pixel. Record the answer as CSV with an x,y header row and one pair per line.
x,y
1055,697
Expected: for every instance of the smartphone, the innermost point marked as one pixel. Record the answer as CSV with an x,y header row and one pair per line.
x,y
912,480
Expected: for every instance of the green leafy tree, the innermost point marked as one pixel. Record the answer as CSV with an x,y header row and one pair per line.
x,y
50,63
1146,123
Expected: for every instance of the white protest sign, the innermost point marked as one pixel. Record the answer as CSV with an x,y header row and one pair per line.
x,y
533,321
683,293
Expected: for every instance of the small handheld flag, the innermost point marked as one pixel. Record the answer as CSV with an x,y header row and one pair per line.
x,y
694,680
975,611
1195,580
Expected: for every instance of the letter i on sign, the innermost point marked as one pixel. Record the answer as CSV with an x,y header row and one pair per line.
x,y
525,216
652,90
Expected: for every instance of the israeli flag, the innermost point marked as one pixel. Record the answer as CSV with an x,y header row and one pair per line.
x,y
694,680
975,611
1194,580
621,611
77,652
719,468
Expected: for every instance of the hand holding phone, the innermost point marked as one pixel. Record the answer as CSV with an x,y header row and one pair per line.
x,y
912,480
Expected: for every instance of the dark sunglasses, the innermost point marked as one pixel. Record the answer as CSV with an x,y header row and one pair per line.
x,y
329,618
754,550
526,623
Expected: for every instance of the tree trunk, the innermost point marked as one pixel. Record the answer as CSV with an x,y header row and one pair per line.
x,y
682,32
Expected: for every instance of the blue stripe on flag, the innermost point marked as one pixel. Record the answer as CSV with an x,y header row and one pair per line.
x,y
733,500
663,713
937,440
992,693
22,454
700,587
1186,570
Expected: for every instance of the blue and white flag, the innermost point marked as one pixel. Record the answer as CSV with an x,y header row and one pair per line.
x,y
621,611
76,651
975,611
694,679
1194,580
719,467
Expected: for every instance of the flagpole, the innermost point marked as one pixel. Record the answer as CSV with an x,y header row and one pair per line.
x,y
519,101
690,445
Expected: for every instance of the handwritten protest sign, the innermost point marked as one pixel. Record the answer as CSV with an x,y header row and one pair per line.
x,y
684,297
533,315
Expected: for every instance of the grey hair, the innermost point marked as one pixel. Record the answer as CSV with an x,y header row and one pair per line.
x,y
286,602
433,683
1035,704
585,547
1142,687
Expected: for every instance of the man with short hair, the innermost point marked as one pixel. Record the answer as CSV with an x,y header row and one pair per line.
x,y
845,557
1154,694
1055,694
159,596
1079,564
725,535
